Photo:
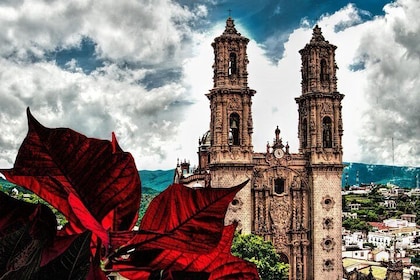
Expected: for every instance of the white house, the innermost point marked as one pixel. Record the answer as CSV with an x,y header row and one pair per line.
x,y
380,255
380,239
398,223
354,239
354,206
356,253
390,204
350,215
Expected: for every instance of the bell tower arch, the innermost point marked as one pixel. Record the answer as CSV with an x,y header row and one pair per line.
x,y
231,123
320,133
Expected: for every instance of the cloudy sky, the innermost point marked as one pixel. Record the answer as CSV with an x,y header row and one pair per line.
x,y
141,68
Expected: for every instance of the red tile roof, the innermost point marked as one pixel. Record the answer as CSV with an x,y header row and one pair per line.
x,y
378,225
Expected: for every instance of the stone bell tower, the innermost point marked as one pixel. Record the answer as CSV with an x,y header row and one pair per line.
x,y
320,140
231,124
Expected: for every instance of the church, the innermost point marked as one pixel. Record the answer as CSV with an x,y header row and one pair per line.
x,y
291,199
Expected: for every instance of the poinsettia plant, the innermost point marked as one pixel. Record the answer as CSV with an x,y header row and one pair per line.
x,y
96,186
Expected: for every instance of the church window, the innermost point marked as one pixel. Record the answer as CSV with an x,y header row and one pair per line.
x,y
234,129
305,133
327,132
324,72
279,185
283,258
233,68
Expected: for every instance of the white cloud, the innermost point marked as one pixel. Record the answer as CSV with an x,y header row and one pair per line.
x,y
381,100
107,100
278,85
391,50
151,34
146,32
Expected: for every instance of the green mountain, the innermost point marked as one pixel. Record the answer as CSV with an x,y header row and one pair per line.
x,y
152,182
353,174
361,173
156,179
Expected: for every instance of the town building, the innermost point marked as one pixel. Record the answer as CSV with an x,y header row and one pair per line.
x,y
354,239
355,252
292,199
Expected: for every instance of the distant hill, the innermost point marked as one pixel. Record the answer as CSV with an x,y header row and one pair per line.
x,y
153,182
156,179
402,176
362,173
146,190
6,184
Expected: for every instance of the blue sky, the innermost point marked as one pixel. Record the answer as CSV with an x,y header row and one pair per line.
x,y
142,69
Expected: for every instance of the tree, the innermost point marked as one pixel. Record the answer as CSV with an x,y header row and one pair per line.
x,y
356,225
262,253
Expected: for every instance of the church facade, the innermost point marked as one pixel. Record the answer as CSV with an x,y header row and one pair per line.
x,y
291,199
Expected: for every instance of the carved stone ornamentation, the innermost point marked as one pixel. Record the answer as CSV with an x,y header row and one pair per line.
x,y
328,223
328,243
280,214
303,110
327,202
326,109
234,104
328,265
327,155
236,204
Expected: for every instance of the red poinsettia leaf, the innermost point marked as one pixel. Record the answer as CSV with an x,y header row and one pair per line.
x,y
186,275
137,275
174,260
185,219
15,213
120,238
87,220
235,268
72,263
41,223
96,273
25,264
115,146
56,162
59,245
217,264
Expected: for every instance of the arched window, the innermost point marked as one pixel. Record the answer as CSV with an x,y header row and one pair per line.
x,y
234,129
279,186
327,132
324,71
305,133
233,68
